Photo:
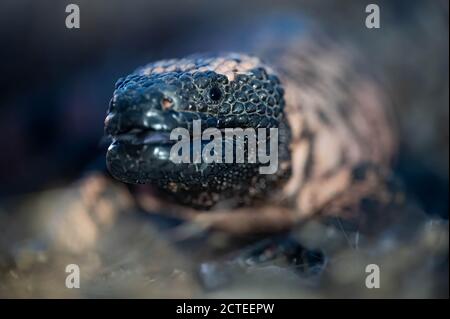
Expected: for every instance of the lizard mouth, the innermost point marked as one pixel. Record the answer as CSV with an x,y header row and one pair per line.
x,y
142,151
152,127
141,146
137,128
143,136
140,142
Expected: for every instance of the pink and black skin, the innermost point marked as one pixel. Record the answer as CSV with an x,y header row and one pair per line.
x,y
148,104
335,142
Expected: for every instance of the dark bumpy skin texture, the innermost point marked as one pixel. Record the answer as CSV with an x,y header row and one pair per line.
x,y
154,100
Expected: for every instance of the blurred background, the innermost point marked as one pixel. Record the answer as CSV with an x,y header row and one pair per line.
x,y
56,83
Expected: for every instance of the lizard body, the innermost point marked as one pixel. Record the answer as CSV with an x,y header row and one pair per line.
x,y
336,135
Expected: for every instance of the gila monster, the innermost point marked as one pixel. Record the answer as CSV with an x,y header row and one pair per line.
x,y
336,135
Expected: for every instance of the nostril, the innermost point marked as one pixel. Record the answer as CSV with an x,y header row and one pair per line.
x,y
166,103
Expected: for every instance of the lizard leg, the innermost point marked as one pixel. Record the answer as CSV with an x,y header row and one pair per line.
x,y
281,253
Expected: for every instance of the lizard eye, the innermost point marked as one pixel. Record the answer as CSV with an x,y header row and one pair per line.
x,y
215,94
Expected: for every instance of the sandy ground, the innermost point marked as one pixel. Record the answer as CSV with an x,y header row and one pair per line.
x,y
137,255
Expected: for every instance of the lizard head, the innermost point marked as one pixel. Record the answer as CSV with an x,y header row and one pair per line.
x,y
219,92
